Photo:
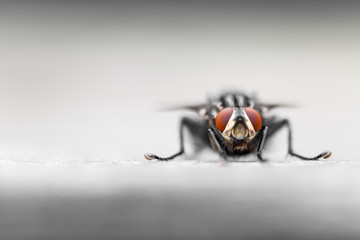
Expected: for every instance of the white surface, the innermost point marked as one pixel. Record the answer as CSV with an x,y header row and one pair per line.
x,y
291,199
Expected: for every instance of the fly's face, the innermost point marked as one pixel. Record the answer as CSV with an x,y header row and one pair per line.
x,y
238,125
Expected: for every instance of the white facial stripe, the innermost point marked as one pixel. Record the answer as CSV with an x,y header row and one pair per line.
x,y
248,124
230,101
240,100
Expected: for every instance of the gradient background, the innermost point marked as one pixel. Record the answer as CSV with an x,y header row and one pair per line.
x,y
80,86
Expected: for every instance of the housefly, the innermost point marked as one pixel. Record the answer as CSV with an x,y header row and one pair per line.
x,y
234,124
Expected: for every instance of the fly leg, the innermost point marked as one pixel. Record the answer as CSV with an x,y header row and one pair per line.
x,y
260,148
217,145
274,127
196,128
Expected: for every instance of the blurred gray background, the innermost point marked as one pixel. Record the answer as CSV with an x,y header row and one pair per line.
x,y
81,84
86,78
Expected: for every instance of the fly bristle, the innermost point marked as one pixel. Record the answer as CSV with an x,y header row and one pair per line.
x,y
240,148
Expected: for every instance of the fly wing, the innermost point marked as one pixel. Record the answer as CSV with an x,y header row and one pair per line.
x,y
195,108
270,106
200,109
265,107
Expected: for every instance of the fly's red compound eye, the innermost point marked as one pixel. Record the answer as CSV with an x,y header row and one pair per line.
x,y
223,118
254,117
